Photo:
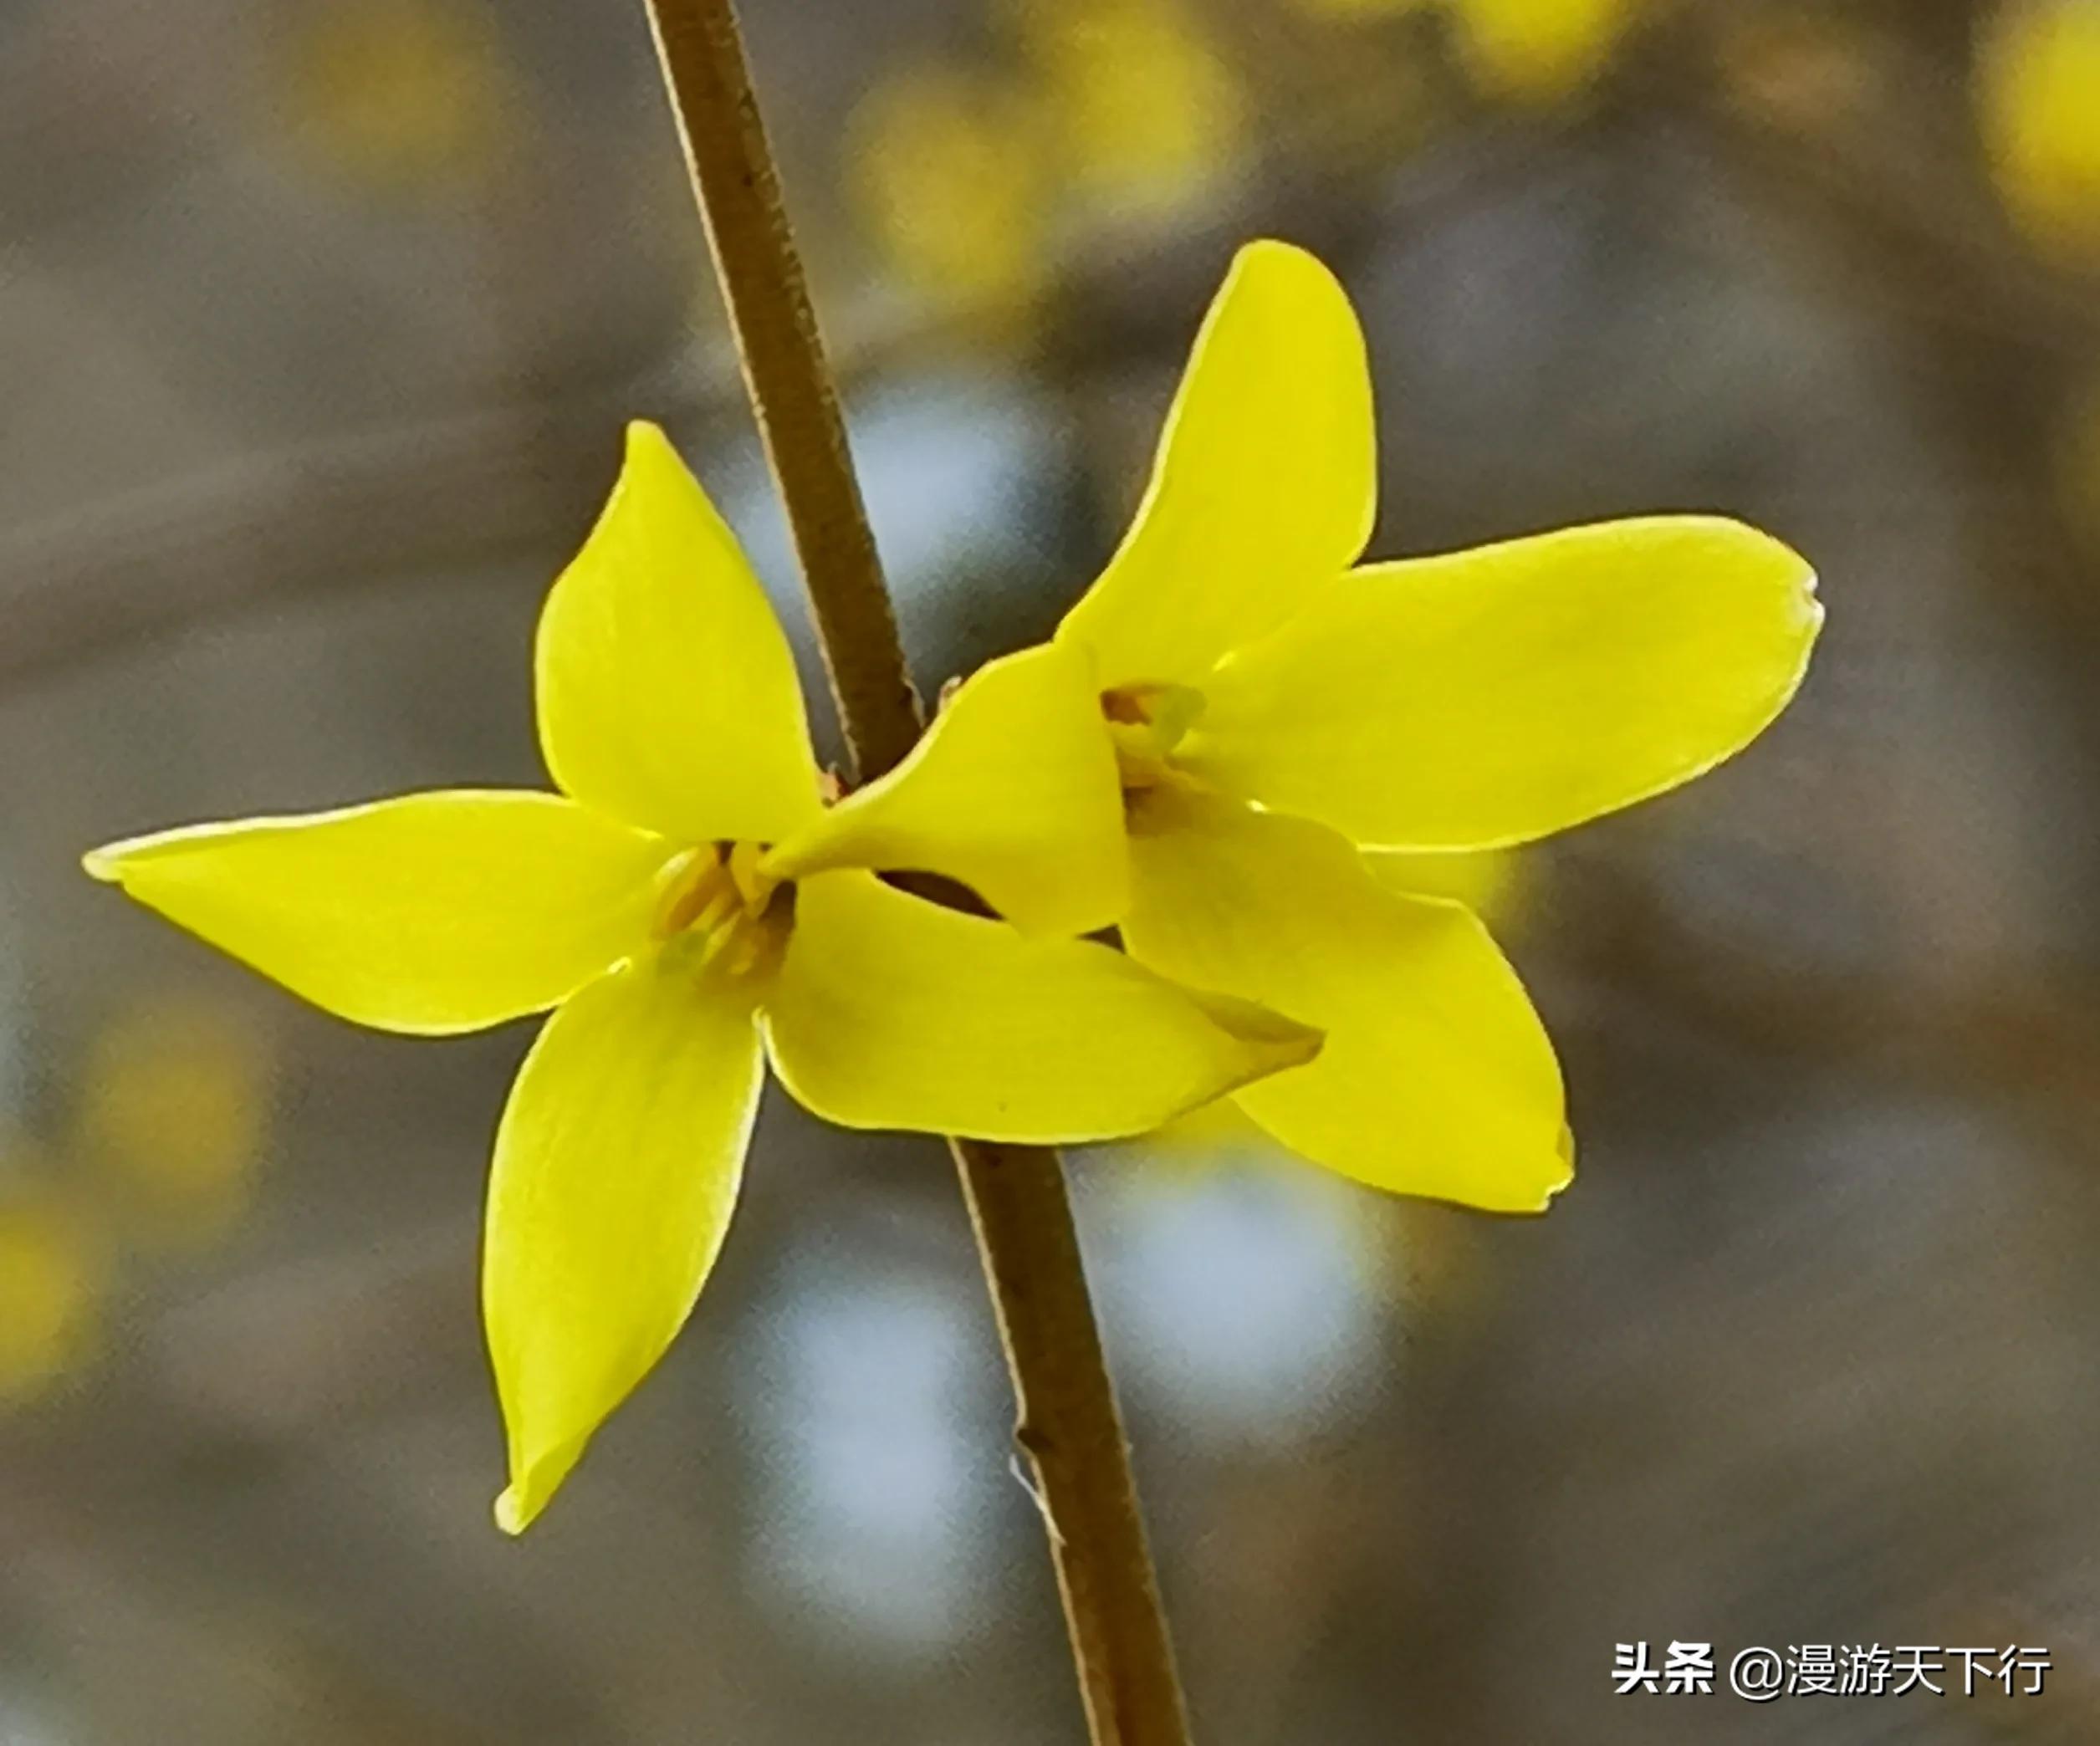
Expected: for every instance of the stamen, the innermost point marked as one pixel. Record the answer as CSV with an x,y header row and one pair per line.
x,y
689,884
721,910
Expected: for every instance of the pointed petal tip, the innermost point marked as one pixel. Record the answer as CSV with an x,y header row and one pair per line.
x,y
643,436
104,864
513,1515
1552,1189
1811,594
1807,581
1274,253
1259,248
533,1485
1294,1045
1274,1042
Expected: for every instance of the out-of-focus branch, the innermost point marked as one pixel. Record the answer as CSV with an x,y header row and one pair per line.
x,y
352,513
262,534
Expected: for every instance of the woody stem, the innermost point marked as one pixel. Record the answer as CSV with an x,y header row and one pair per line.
x,y
1067,1420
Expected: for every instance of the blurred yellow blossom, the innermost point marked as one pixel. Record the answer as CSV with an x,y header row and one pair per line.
x,y
963,176
1363,8
51,1274
690,907
1274,711
1519,51
1539,51
399,92
2038,101
951,173
1148,111
173,1103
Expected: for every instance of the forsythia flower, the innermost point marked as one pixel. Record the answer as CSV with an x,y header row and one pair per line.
x,y
690,908
1274,711
51,1278
1122,105
174,1107
1527,51
1148,109
951,173
1539,51
400,93
2038,97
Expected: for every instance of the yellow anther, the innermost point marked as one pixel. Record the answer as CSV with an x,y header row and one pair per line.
x,y
690,886
721,910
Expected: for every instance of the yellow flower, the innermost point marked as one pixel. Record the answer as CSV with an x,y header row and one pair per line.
x,y
2038,99
690,908
1356,9
1275,710
962,176
174,1105
51,1275
1150,112
951,173
1539,51
400,93
1524,51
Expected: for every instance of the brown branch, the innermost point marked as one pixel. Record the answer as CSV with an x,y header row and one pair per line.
x,y
1068,1424
785,372
1019,1206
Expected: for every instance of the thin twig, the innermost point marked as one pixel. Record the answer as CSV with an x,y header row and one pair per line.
x,y
787,377
1020,1208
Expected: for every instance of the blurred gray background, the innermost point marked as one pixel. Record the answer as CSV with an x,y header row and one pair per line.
x,y
317,321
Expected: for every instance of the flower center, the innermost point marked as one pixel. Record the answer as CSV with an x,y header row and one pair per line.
x,y
717,910
1146,722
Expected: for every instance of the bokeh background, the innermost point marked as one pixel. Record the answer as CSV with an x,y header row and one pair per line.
x,y
317,321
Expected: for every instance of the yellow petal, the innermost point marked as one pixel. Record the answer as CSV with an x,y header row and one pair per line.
x,y
893,1013
1217,1132
1266,485
1437,1078
1014,792
427,913
667,692
1493,696
1486,880
616,1169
